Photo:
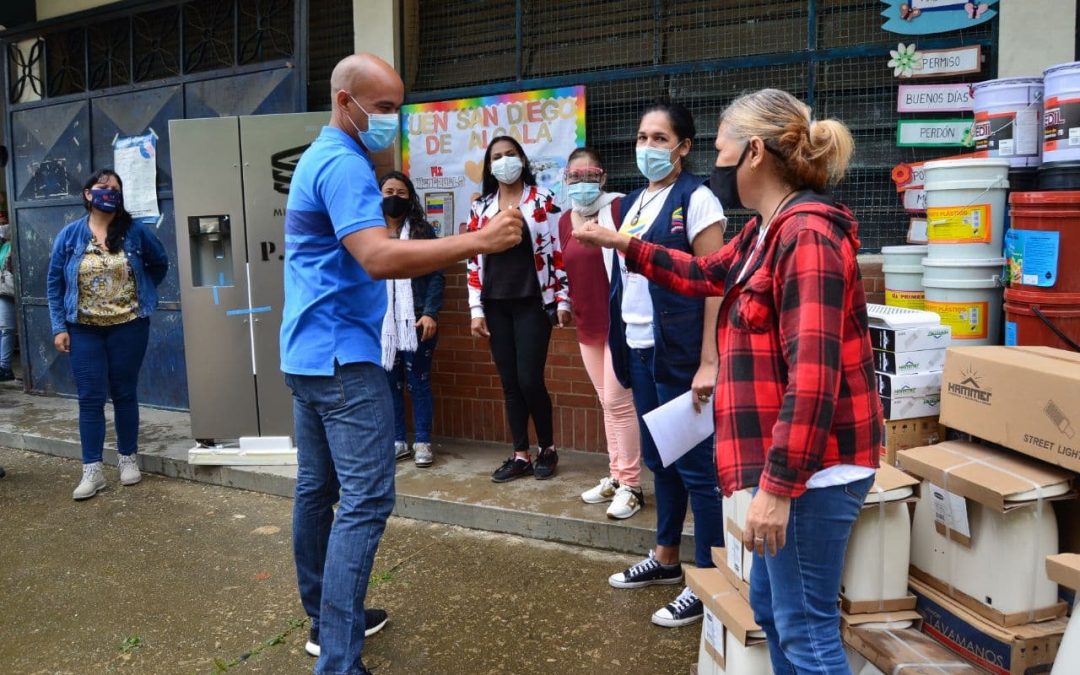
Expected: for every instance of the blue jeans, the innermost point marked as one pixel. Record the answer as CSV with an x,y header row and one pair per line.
x,y
345,454
794,595
105,361
693,475
413,369
7,331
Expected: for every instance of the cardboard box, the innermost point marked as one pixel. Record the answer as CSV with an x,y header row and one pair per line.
x,y
909,363
1029,648
732,616
910,408
734,561
913,433
910,339
904,651
1064,568
1025,398
909,386
985,612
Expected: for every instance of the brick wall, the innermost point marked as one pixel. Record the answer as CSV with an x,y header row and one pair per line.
x,y
468,396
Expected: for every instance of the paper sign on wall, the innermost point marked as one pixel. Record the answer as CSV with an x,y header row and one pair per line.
x,y
957,61
915,200
917,98
135,161
934,133
917,231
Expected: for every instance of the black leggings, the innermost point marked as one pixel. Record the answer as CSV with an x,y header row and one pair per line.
x,y
520,332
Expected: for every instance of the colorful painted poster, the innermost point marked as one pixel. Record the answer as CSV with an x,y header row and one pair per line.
x,y
925,17
443,145
135,161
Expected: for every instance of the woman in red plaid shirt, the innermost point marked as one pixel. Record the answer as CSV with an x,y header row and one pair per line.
x,y
796,408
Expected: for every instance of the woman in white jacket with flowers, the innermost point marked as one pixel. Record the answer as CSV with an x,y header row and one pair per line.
x,y
515,298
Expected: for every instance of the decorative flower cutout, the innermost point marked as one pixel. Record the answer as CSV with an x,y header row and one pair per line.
x,y
904,60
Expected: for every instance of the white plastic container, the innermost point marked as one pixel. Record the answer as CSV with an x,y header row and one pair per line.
x,y
876,564
1009,120
1006,561
903,276
965,207
743,660
967,295
1061,119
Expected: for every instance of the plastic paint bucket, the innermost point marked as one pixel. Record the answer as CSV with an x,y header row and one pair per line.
x,y
1043,244
1059,176
1035,318
966,294
1061,116
1023,180
965,207
1008,120
903,276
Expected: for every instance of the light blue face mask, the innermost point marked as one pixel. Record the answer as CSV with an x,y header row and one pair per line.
x,y
382,129
583,194
655,163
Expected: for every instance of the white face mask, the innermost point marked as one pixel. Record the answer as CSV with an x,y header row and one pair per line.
x,y
506,169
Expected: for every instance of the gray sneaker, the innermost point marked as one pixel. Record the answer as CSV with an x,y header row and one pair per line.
x,y
93,479
401,450
129,470
422,454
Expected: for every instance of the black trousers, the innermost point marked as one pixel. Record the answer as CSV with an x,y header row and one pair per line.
x,y
520,333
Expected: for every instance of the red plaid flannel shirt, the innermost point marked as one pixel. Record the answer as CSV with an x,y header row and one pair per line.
x,y
796,391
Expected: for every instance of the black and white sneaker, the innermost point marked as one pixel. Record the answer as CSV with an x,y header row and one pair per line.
x,y
684,610
374,620
513,468
648,572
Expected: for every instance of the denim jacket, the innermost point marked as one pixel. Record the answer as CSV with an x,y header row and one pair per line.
x,y
145,254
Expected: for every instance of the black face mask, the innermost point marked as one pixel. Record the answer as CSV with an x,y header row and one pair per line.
x,y
395,206
725,184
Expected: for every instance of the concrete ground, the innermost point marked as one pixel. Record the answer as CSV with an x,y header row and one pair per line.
x,y
173,576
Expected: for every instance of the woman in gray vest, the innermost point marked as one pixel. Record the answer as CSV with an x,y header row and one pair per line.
x,y
657,348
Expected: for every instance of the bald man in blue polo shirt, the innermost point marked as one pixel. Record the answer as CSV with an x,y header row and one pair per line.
x,y
337,253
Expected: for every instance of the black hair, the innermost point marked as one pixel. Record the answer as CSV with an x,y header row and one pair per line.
x,y
682,121
585,151
419,226
121,221
490,185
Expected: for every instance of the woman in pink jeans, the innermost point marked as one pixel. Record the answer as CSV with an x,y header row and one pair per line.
x,y
588,272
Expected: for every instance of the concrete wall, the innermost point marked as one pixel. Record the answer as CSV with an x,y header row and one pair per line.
x,y
1035,34
47,9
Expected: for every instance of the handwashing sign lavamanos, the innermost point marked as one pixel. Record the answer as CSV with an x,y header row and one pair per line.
x,y
443,145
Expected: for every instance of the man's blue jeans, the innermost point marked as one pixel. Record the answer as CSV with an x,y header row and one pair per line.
x,y
413,369
7,331
105,361
345,451
693,475
794,595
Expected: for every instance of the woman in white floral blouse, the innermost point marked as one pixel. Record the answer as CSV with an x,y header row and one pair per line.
x,y
515,297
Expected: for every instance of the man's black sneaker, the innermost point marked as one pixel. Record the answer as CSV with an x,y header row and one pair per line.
x,y
648,572
374,621
512,468
545,463
685,609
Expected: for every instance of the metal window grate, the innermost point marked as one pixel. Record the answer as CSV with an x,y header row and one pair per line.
x,y
703,53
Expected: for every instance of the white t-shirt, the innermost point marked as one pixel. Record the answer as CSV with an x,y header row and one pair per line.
x,y
637,307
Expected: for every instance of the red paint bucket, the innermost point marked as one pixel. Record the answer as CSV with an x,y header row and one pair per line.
x,y
1042,247
1036,318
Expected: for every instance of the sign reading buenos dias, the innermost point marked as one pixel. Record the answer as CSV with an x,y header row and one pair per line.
x,y
443,145
934,133
917,98
956,61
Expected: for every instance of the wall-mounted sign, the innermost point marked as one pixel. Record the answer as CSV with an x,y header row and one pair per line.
x,y
918,98
917,231
915,201
934,133
924,17
956,61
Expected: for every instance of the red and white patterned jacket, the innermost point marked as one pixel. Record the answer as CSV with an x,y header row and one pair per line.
x,y
537,205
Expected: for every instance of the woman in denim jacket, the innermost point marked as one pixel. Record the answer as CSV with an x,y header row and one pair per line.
x,y
102,284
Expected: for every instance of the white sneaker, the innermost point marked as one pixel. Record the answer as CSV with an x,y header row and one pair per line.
x,y
604,492
129,470
92,480
685,609
627,502
401,450
422,454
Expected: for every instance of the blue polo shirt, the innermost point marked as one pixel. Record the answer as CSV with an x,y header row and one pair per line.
x,y
333,309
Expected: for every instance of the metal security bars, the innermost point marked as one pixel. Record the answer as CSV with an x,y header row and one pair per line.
x,y
702,53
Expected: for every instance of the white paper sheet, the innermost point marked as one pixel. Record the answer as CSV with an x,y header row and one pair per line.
x,y
676,427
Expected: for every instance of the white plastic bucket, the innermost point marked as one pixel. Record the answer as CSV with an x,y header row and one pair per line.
x,y
965,207
903,276
876,563
1008,120
967,295
1061,119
